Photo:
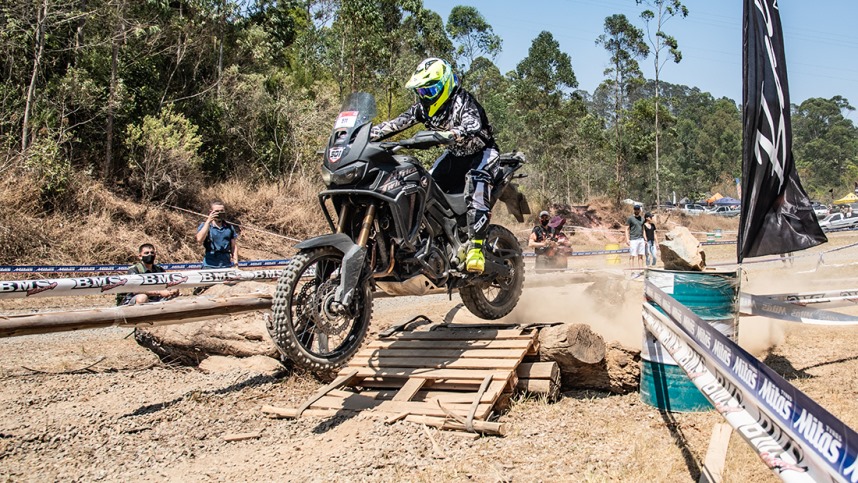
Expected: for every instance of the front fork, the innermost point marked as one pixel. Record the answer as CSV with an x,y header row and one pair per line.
x,y
354,257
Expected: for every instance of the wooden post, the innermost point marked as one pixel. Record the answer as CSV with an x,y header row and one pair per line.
x,y
176,311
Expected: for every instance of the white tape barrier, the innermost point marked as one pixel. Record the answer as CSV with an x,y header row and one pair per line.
x,y
112,284
792,434
794,310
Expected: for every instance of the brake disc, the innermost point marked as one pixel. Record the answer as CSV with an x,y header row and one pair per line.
x,y
324,318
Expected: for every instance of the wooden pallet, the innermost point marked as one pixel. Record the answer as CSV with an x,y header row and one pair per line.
x,y
445,377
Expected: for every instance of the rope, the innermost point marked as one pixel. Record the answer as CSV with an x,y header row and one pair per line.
x,y
244,227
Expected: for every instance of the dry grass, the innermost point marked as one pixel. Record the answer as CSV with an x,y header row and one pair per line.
x,y
95,225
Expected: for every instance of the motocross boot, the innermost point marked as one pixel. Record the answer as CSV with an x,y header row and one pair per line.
x,y
475,262
478,221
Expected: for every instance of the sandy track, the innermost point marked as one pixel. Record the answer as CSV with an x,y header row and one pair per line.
x,y
130,418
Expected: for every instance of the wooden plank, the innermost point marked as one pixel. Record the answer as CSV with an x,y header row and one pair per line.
x,y
446,353
355,402
409,389
491,394
436,363
423,373
450,344
461,335
431,408
336,383
716,455
452,384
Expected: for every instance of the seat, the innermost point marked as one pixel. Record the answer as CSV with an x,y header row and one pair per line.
x,y
456,202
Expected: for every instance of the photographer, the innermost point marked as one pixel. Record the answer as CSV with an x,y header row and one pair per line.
x,y
219,237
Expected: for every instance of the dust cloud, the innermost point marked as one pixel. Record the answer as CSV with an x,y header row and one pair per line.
x,y
616,316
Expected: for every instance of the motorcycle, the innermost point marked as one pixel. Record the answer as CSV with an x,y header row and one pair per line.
x,y
395,231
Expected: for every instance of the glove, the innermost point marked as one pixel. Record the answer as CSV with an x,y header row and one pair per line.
x,y
448,136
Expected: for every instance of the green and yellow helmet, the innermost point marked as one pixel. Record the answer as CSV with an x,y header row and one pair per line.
x,y
434,83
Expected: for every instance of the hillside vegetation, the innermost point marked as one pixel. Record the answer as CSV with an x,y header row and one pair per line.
x,y
113,111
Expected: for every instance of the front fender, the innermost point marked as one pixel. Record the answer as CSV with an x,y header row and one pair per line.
x,y
340,241
353,261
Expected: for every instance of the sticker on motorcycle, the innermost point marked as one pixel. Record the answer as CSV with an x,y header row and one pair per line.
x,y
346,119
334,154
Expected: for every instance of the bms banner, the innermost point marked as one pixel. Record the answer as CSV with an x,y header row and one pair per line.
x,y
776,215
811,440
111,284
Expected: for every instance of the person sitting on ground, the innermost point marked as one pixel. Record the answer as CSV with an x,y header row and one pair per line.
x,y
219,237
146,265
542,236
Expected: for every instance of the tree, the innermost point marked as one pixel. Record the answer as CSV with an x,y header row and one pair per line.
x,y
825,144
660,41
625,44
475,37
545,114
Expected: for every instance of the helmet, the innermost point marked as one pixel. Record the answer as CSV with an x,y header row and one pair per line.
x,y
433,82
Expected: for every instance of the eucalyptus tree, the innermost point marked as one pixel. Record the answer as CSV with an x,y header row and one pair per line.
x,y
473,34
547,113
664,10
825,144
625,44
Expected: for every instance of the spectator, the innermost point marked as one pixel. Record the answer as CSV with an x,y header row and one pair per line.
x,y
219,237
651,241
146,265
634,238
541,238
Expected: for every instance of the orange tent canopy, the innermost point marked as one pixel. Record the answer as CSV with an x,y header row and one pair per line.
x,y
714,198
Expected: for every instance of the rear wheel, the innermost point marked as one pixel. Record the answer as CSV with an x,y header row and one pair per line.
x,y
493,299
307,326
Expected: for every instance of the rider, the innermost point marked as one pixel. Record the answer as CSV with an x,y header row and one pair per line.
x,y
470,162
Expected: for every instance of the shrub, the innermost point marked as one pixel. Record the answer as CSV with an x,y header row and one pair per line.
x,y
164,158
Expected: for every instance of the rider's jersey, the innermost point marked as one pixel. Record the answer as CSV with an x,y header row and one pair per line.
x,y
462,114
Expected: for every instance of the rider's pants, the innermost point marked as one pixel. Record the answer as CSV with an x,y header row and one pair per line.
x,y
474,175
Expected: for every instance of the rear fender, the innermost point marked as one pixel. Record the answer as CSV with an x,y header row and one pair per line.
x,y
515,201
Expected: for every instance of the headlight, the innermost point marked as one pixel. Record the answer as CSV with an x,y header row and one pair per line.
x,y
343,176
327,175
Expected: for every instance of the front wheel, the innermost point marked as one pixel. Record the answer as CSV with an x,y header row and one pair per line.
x,y
308,327
494,299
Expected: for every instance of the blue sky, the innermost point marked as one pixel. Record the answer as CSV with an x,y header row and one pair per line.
x,y
821,41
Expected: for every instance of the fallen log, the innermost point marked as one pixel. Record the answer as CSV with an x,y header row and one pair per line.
x,y
586,361
176,311
541,378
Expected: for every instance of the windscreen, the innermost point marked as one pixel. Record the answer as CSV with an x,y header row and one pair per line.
x,y
358,109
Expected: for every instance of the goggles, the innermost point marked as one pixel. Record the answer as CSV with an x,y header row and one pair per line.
x,y
430,92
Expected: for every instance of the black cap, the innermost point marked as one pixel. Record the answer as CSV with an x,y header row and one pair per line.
x,y
637,207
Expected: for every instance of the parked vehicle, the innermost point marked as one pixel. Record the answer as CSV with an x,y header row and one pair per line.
x,y
839,221
692,209
725,211
820,209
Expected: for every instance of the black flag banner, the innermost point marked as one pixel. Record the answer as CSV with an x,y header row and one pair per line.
x,y
776,215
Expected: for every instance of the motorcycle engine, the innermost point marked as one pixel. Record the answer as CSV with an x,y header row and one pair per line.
x,y
438,262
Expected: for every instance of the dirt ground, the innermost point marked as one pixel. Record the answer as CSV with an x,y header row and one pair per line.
x,y
128,417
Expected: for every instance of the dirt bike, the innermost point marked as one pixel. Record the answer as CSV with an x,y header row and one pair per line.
x,y
396,231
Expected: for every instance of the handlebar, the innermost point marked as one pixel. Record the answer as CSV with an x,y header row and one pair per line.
x,y
420,140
